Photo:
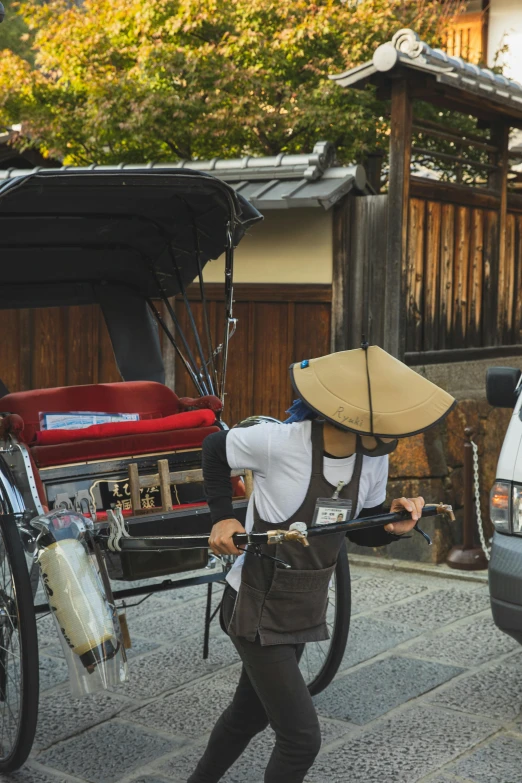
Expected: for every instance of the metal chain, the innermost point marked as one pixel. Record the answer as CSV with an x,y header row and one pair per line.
x,y
485,548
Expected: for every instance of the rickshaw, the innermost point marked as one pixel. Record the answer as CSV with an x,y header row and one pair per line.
x,y
129,239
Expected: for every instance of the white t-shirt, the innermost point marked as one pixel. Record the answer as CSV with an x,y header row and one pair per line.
x,y
280,456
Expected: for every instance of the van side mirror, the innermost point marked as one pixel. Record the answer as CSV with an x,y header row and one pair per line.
x,y
501,385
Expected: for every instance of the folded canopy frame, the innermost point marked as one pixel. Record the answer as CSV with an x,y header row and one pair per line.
x,y
124,239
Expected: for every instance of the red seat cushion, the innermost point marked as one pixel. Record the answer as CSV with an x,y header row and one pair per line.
x,y
151,400
121,446
179,421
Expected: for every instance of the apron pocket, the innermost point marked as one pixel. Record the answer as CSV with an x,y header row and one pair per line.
x,y
297,600
247,612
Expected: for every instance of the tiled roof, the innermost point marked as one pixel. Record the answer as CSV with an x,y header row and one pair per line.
x,y
274,182
408,51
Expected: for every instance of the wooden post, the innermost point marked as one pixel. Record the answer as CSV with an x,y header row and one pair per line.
x,y
373,165
398,208
164,484
498,181
169,354
341,221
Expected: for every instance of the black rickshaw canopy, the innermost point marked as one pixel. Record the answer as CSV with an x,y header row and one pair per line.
x,y
67,227
121,238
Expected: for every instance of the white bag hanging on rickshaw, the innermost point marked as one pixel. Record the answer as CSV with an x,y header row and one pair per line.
x,y
87,621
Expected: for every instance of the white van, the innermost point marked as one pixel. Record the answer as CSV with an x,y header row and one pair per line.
x,y
504,390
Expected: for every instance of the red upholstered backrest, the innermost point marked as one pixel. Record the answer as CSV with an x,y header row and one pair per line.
x,y
151,400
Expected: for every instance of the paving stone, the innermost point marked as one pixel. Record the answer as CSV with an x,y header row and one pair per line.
x,y
518,723
141,647
53,671
370,636
367,638
499,761
167,626
29,774
184,594
376,592
389,750
471,644
190,712
47,631
495,691
436,608
165,669
373,690
251,766
149,779
60,716
147,607
108,752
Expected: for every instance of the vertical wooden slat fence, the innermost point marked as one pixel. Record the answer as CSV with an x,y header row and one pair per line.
x,y
441,324
432,293
55,346
476,271
277,325
460,291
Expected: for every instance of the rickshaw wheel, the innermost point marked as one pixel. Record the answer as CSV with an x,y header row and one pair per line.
x,y
320,661
18,651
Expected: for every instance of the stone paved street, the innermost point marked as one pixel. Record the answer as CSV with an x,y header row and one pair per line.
x,y
428,692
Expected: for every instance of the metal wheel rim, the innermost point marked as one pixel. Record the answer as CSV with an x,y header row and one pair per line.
x,y
11,669
315,654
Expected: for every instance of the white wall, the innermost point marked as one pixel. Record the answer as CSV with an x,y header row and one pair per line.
x,y
505,27
288,246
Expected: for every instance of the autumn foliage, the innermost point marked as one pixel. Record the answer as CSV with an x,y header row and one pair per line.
x,y
135,80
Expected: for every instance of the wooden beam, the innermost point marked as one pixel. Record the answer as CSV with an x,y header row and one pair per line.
x,y
479,105
419,358
178,477
265,292
340,272
448,192
168,352
397,235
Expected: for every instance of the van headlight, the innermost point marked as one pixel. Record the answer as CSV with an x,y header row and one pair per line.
x,y
505,507
499,506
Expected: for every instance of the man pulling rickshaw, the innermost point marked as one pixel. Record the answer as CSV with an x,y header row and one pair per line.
x,y
329,461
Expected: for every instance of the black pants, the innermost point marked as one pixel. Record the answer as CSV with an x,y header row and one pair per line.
x,y
271,690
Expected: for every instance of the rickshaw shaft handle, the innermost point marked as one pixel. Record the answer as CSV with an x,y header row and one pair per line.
x,y
360,523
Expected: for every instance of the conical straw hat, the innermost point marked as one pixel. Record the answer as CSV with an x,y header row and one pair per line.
x,y
339,388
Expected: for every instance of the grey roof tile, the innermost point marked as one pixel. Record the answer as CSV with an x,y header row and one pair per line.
x,y
407,50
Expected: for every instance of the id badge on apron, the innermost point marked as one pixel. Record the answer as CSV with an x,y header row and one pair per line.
x,y
331,511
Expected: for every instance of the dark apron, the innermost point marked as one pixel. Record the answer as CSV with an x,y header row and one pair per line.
x,y
288,606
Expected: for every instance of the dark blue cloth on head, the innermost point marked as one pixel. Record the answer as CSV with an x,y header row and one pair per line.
x,y
299,411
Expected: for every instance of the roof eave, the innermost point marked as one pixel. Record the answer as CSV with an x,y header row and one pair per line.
x,y
356,77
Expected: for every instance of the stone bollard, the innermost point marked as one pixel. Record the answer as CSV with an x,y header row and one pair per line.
x,y
468,556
